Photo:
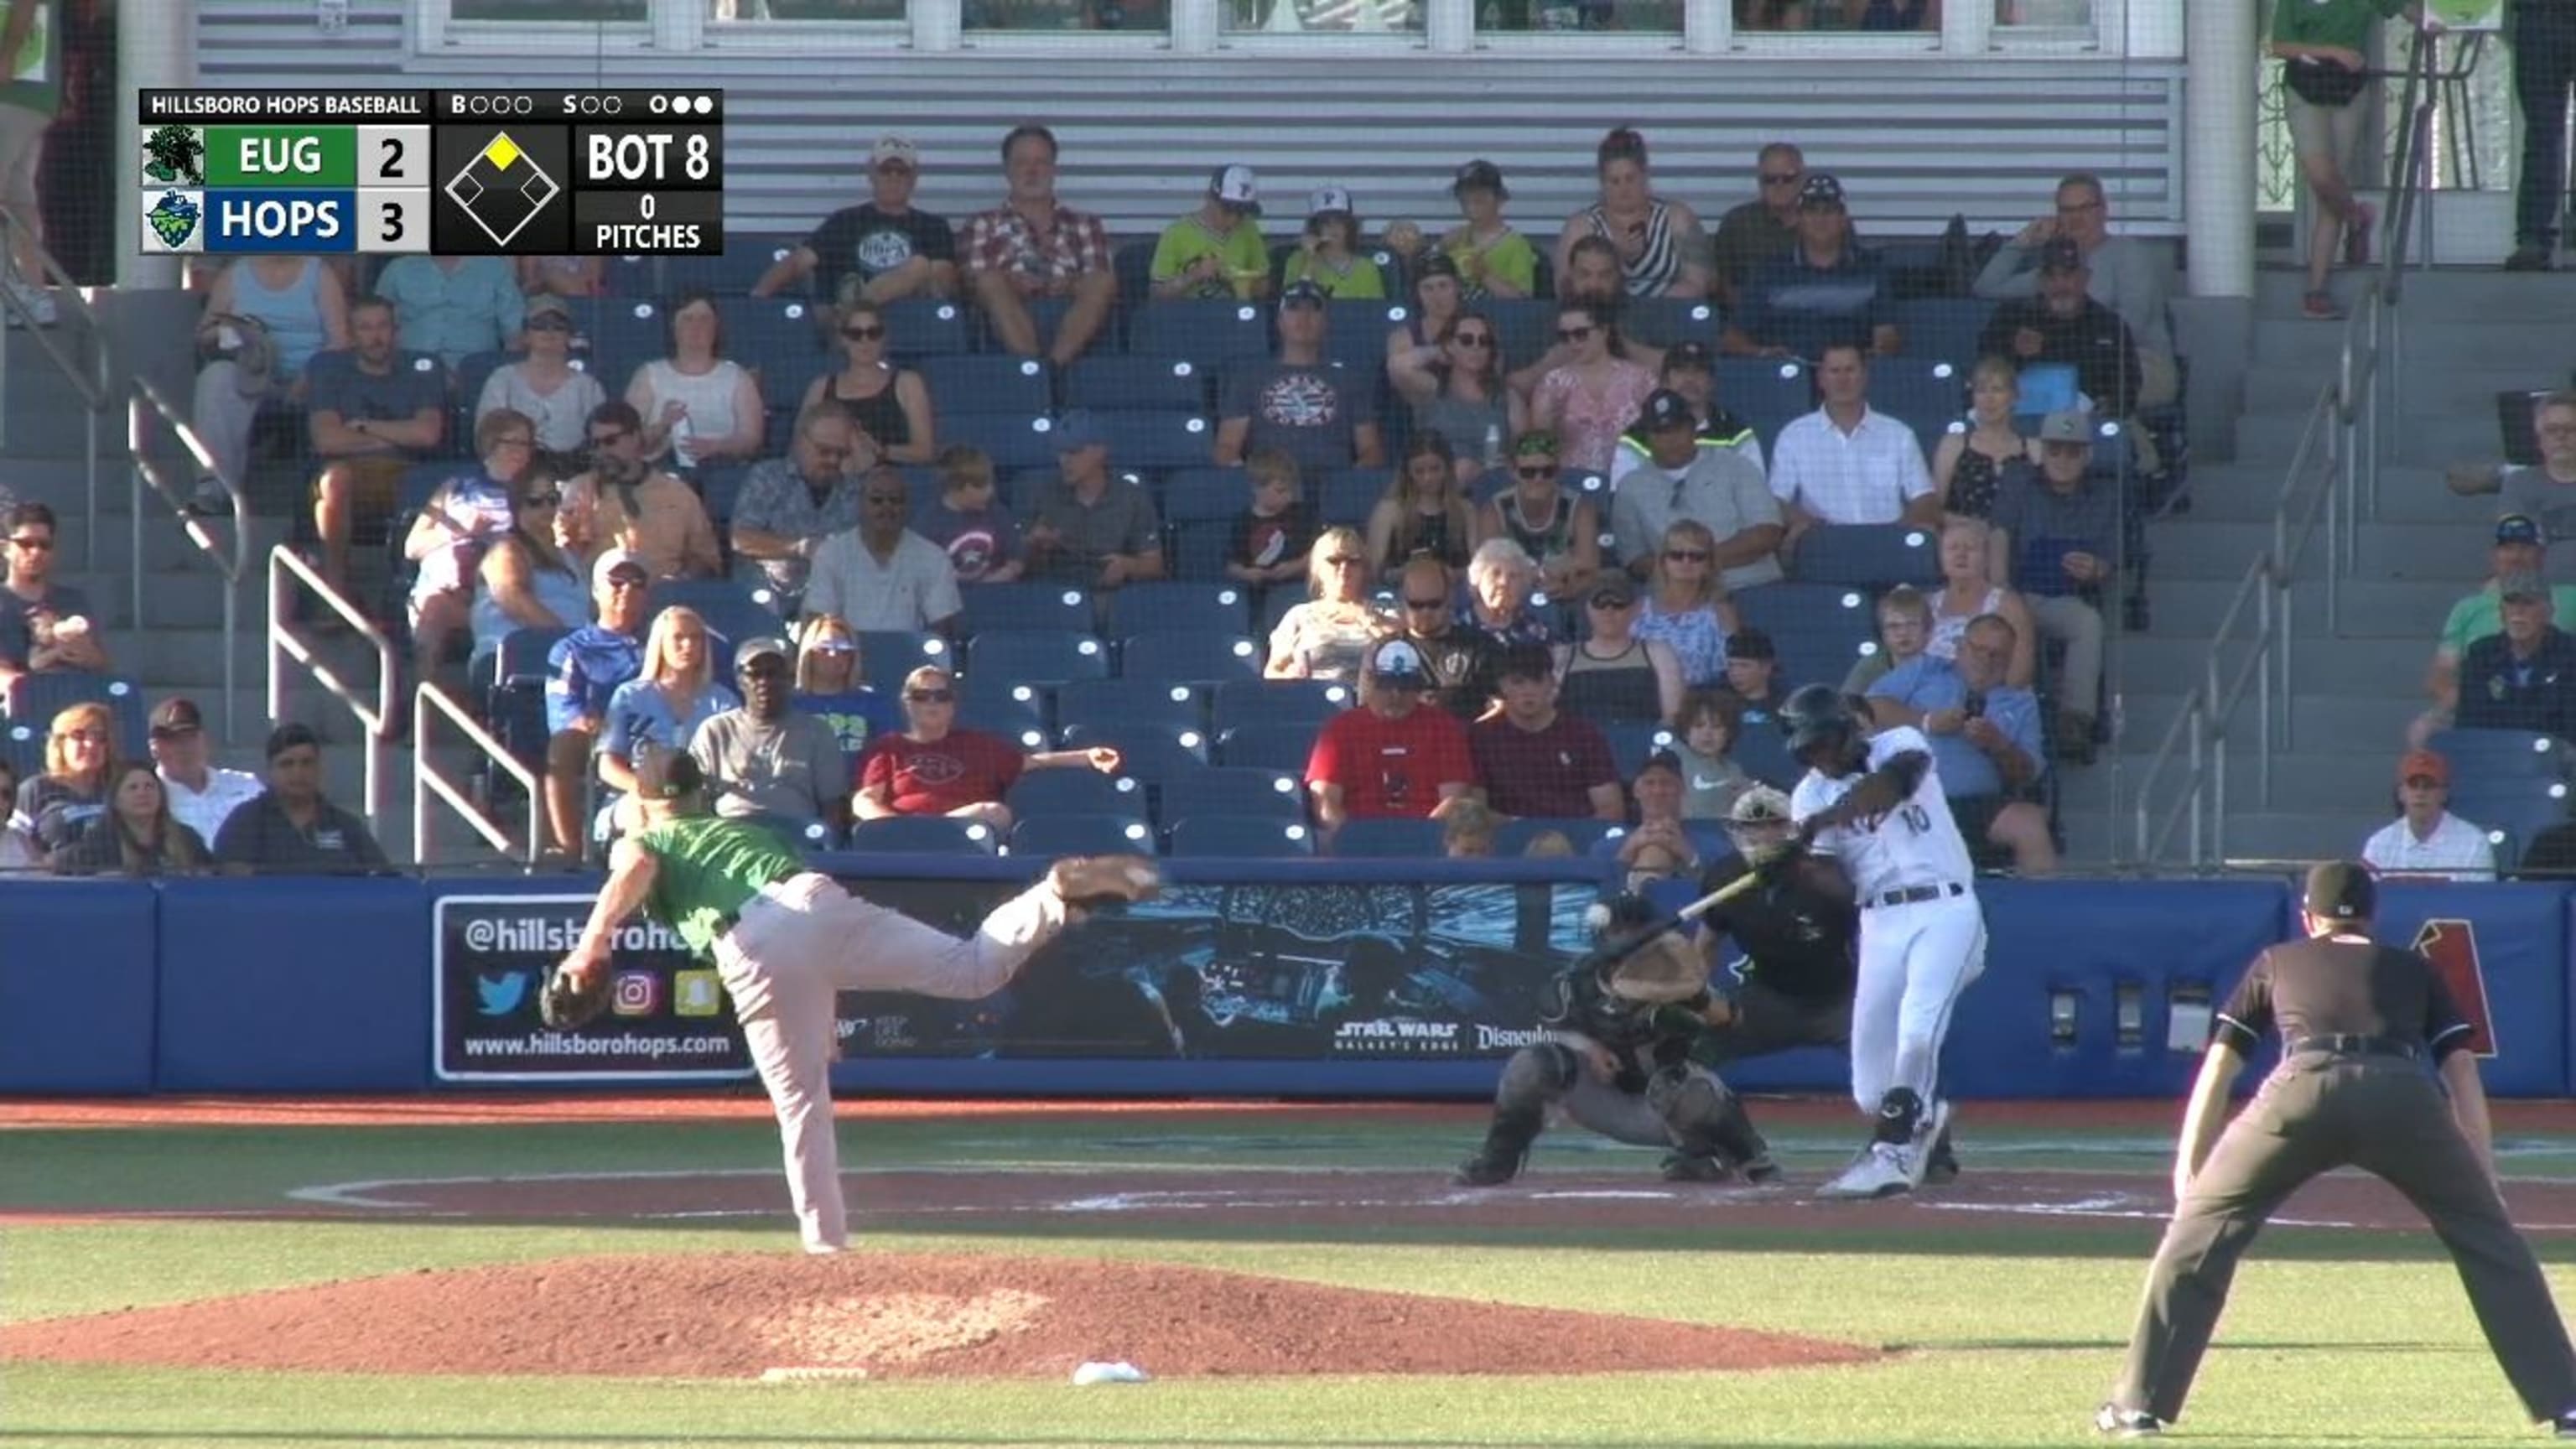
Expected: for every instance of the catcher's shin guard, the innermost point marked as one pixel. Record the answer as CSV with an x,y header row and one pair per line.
x,y
1533,1079
1707,1118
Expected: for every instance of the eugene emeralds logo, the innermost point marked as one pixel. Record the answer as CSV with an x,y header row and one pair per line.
x,y
174,218
173,154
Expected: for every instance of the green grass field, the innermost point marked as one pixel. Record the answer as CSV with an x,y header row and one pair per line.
x,y
2005,1331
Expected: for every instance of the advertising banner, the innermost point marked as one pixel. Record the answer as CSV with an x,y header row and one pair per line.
x,y
668,1020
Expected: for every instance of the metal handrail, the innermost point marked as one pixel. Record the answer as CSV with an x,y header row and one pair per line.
x,y
427,780
285,570
142,406
94,379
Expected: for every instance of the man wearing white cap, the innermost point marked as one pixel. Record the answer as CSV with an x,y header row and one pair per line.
x,y
582,671
1216,251
1389,757
882,250
1328,255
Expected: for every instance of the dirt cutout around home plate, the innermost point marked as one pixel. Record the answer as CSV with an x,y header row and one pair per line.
x,y
895,1316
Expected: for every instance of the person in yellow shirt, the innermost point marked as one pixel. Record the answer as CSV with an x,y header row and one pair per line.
x,y
1329,254
1216,251
1494,259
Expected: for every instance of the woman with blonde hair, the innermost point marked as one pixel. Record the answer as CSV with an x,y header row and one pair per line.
x,y
1968,589
1327,637
136,834
664,704
1984,452
54,807
1686,603
1424,510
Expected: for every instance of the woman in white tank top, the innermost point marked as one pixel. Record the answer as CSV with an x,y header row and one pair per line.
x,y
698,406
1968,590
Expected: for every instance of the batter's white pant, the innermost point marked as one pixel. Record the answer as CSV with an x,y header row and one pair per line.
x,y
1915,960
802,941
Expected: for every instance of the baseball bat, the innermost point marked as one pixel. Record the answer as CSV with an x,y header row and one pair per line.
x,y
1613,955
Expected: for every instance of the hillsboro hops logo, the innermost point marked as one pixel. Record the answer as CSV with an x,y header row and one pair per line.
x,y
2451,945
175,216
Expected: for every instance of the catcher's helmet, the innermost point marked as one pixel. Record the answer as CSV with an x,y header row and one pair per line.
x,y
1814,715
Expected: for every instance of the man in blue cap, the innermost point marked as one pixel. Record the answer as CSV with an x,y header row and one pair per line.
x,y
1090,528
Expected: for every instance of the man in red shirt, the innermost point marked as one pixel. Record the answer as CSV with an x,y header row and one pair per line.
x,y
1390,757
935,768
1537,762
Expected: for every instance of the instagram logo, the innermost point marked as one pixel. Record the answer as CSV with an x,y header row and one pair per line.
x,y
636,993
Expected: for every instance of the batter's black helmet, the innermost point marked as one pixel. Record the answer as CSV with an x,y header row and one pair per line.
x,y
1814,714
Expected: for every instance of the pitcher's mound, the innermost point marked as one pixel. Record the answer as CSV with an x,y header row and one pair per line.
x,y
893,1315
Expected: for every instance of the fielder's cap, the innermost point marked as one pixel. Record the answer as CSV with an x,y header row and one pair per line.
x,y
896,151
1750,644
2061,254
752,651
1237,189
1660,760
1078,430
547,305
1666,408
2519,528
1687,357
289,736
1396,662
608,565
2524,585
1435,264
2421,764
1328,200
2341,890
2067,427
1301,293
1525,661
176,715
1480,175
1821,190
1614,591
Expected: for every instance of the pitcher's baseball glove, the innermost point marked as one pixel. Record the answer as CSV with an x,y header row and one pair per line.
x,y
569,1003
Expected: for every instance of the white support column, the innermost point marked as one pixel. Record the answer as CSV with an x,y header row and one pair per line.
x,y
160,54
1708,26
1967,27
1196,25
937,25
679,26
1448,26
2218,146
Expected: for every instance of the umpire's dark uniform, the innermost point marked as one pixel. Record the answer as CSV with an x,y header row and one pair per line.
x,y
1800,940
2359,1024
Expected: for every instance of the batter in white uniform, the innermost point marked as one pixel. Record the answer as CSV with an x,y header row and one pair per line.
x,y
1875,805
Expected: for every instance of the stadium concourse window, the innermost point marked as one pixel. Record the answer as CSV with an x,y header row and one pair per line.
x,y
1842,15
758,10
2037,15
1609,17
586,11
1143,17
1339,17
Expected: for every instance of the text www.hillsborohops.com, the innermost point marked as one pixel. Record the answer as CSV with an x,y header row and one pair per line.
x,y
564,1044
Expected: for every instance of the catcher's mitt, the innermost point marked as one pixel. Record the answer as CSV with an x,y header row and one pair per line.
x,y
1664,970
568,1004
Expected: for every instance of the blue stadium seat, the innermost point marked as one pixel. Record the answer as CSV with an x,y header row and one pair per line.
x,y
778,339
886,656
1763,752
1133,262
1768,393
1074,792
2499,755
1027,606
632,277
729,276
1347,496
1159,607
1011,440
720,488
1819,628
522,657
1874,555
1385,839
1202,492
1207,333
1139,439
1631,744
471,373
1169,384
1943,329
1355,336
1020,718
1200,549
1525,325
1514,837
1121,702
1305,702
1150,753
1209,658
629,335
921,328
1926,398
36,698
22,746
923,835
1036,656
2519,808
1240,837
1661,322
1282,747
987,383
1054,835
1238,790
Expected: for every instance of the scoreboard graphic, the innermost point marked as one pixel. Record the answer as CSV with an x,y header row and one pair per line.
x,y
457,173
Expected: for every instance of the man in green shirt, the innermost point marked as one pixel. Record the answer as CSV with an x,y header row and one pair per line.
x,y
787,940
1216,251
2519,549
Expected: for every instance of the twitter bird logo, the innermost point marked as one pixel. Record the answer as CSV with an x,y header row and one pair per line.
x,y
502,994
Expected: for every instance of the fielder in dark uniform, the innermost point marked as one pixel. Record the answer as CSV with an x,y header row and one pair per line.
x,y
2358,1023
1620,1064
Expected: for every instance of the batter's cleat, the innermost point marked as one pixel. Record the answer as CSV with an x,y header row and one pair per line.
x,y
1927,1135
1088,882
1695,1167
2122,1423
1885,1170
1488,1169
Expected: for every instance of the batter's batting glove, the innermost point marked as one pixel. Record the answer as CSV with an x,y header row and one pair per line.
x,y
569,1003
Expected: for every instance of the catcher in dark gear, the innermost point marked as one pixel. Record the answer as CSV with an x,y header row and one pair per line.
x,y
787,940
1617,1060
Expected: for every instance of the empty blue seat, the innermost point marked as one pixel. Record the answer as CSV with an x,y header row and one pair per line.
x,y
1203,491
1282,747
1200,548
778,339
1926,397
1036,656
1207,333
1160,607
1662,322
921,328
1514,837
1022,721
1074,792
1242,837
1209,658
987,383
1239,790
1167,384
1378,839
1150,753
36,698
923,835
1762,750
1526,326
886,656
22,746
1011,440
632,277
1170,439
1768,393
1632,744
521,657
1820,629
1873,555
1942,329
1107,702
1027,606
2521,808
629,335
720,488
731,275
1054,835
1346,497
1304,702
2501,754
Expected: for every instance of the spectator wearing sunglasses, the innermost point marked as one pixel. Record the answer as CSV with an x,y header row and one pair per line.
x,y
888,403
531,576
882,576
44,625
583,673
1686,604
1718,488
1466,397
626,503
936,768
882,250
1592,397
789,506
766,760
1328,636
1613,676
1317,409
1458,661
544,385
459,524
1559,529
1765,227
